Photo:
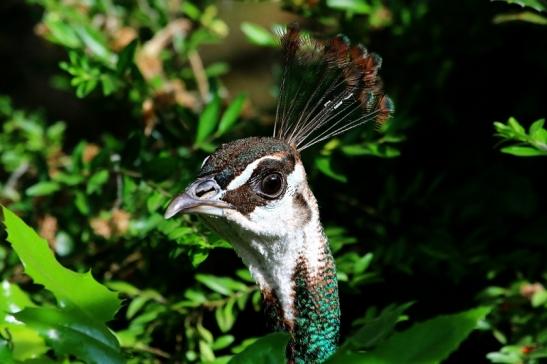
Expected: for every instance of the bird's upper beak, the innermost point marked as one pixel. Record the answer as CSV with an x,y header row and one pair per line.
x,y
203,196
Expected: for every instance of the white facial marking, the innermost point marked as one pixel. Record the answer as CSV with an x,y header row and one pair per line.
x,y
204,161
247,173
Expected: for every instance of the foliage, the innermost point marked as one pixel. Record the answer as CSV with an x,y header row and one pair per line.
x,y
77,325
533,143
420,209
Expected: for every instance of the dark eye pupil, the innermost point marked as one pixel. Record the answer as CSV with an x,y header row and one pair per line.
x,y
271,184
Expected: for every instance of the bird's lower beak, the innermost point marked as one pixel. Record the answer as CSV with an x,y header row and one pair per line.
x,y
203,196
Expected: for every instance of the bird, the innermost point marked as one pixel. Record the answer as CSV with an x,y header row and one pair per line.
x,y
254,192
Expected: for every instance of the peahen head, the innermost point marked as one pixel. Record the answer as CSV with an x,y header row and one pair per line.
x,y
254,191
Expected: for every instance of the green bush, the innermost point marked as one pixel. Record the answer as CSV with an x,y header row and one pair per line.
x,y
439,216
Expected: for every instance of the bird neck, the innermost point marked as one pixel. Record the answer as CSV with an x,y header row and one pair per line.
x,y
316,324
297,276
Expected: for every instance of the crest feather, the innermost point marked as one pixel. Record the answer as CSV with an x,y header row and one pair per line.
x,y
327,88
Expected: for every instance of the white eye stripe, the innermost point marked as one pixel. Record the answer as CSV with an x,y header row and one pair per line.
x,y
247,173
204,161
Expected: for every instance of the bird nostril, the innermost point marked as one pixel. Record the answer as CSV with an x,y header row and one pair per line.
x,y
204,187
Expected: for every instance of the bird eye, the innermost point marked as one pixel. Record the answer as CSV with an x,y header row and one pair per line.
x,y
272,185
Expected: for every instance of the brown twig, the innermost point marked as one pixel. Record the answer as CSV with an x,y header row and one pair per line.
x,y
199,73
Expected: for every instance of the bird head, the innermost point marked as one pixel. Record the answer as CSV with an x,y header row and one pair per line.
x,y
255,186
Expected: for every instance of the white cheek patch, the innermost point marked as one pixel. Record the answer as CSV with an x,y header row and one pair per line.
x,y
275,217
247,173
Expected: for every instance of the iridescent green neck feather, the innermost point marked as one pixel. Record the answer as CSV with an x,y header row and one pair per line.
x,y
314,321
317,313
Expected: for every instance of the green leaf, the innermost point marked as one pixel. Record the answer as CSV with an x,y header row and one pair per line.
x,y
521,151
354,6
517,128
97,181
60,32
71,332
259,35
376,330
536,128
527,16
6,356
225,317
539,298
79,290
222,285
231,114
208,120
223,342
534,4
13,300
428,342
26,342
126,57
323,163
269,349
43,188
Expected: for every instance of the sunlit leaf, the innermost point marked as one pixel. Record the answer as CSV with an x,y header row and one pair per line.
x,y
26,342
354,6
324,164
208,120
71,332
96,181
522,151
43,188
71,289
259,35
429,342
231,115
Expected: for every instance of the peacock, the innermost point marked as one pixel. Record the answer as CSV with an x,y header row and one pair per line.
x,y
254,193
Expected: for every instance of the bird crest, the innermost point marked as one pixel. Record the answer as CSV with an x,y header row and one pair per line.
x,y
327,88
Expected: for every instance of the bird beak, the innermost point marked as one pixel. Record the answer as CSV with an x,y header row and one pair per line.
x,y
203,196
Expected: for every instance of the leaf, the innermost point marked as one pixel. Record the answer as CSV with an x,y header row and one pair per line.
x,y
259,35
60,32
71,289
517,128
377,329
324,165
43,188
225,317
526,16
127,56
96,181
539,298
355,6
269,349
428,342
223,342
536,126
71,332
5,353
222,285
26,342
231,114
208,120
521,151
534,4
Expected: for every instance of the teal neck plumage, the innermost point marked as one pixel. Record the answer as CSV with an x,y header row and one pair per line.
x,y
317,320
314,329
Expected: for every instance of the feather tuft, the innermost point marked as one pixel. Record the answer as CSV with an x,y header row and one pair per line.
x,y
327,88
